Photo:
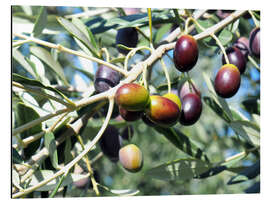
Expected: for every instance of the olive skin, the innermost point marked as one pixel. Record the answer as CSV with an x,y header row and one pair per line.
x,y
235,57
243,45
191,109
227,81
173,97
110,143
106,78
127,37
131,158
162,111
132,97
185,54
254,42
130,115
147,121
188,88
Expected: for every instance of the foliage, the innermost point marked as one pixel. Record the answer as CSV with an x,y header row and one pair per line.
x,y
56,113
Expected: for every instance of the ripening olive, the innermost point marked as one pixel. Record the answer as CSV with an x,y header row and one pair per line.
x,y
235,57
227,81
254,42
191,109
110,143
130,115
105,78
128,37
131,158
162,111
173,97
188,88
132,97
185,54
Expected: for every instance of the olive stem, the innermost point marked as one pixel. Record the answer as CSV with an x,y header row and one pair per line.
x,y
132,53
105,50
166,74
190,84
86,160
254,19
253,62
75,160
70,51
150,24
20,42
215,38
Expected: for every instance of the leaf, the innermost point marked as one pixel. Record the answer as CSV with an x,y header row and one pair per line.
x,y
41,22
247,131
174,81
26,81
181,169
16,179
251,105
127,192
41,175
67,151
182,142
225,37
79,31
47,58
49,142
247,174
216,108
16,157
160,33
25,114
17,55
255,188
234,26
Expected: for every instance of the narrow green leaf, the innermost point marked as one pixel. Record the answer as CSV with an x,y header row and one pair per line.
x,y
247,174
150,24
181,169
49,142
225,37
216,108
47,58
41,175
118,60
77,29
161,33
16,179
25,114
247,130
17,55
41,22
67,151
26,81
16,157
182,142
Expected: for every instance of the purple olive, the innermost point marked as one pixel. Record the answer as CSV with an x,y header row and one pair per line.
x,y
130,115
110,143
191,109
185,54
243,45
106,78
235,57
254,42
227,81
127,37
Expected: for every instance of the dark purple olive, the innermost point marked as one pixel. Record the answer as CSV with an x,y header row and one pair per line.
x,y
227,81
243,45
106,78
235,57
147,121
110,143
130,115
254,42
191,109
185,54
127,37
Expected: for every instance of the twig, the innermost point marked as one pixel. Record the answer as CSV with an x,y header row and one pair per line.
x,y
74,161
